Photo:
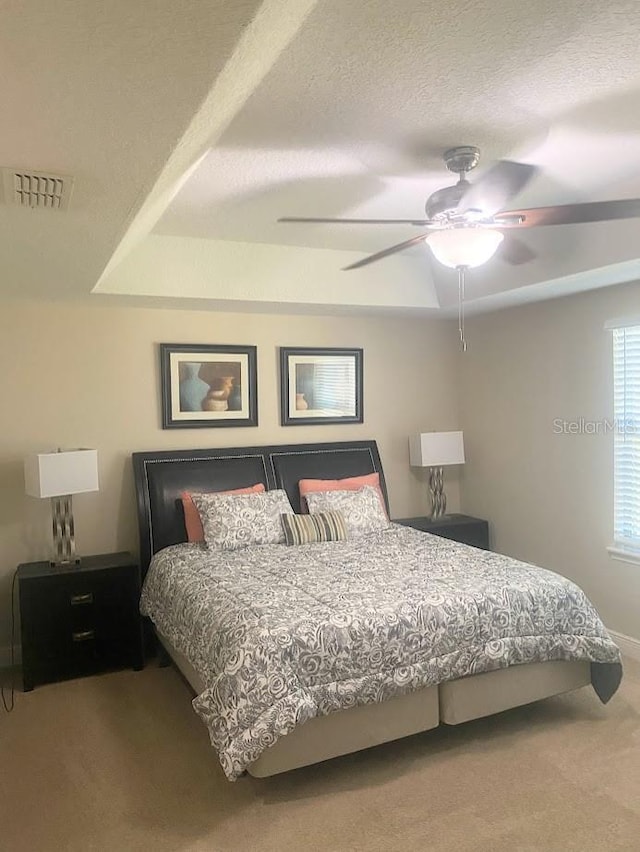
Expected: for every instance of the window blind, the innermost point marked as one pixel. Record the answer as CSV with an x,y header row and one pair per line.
x,y
626,374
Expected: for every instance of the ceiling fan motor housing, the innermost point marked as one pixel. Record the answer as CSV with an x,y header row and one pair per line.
x,y
442,203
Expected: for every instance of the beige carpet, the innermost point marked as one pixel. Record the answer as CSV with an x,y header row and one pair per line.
x,y
120,762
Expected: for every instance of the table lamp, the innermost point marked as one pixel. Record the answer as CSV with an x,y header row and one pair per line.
x,y
59,475
435,450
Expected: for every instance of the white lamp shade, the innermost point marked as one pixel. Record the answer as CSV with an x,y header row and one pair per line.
x,y
464,246
58,474
436,449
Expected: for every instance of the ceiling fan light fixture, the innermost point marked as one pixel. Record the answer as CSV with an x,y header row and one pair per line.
x,y
466,247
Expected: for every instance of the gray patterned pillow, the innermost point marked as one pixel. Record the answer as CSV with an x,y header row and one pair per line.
x,y
362,511
232,521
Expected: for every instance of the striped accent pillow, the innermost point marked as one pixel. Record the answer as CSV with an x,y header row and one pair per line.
x,y
307,529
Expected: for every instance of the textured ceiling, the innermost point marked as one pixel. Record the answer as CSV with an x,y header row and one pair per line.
x,y
353,119
100,91
208,121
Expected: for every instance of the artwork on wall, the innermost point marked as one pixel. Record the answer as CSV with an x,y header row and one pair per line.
x,y
208,385
320,386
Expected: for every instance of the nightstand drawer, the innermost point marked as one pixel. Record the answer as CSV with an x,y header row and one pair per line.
x,y
55,606
79,619
79,652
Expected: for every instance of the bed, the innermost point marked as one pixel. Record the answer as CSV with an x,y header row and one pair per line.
x,y
473,633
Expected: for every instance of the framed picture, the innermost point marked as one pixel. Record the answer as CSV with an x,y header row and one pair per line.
x,y
204,385
320,386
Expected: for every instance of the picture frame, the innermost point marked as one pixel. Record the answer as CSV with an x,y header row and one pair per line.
x,y
321,386
208,385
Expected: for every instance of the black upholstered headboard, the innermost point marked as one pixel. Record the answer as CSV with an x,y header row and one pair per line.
x,y
161,476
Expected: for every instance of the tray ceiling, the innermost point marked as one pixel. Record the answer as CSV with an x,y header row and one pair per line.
x,y
190,127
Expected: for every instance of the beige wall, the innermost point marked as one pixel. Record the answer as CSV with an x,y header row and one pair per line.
x,y
83,374
549,496
87,375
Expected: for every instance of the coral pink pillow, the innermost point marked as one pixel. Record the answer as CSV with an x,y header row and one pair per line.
x,y
351,483
192,522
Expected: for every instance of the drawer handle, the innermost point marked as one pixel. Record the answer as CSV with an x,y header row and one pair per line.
x,y
79,600
83,635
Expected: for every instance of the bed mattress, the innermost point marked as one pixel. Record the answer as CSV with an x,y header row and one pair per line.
x,y
279,635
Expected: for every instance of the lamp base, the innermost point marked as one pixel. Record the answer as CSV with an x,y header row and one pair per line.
x,y
75,562
64,541
436,492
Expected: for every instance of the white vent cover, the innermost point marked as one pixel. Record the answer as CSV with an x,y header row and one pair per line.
x,y
37,189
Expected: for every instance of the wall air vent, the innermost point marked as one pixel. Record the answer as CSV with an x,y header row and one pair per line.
x,y
37,189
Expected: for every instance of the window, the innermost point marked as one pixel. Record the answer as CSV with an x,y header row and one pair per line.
x,y
626,383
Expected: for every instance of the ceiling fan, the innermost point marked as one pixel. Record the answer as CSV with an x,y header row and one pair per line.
x,y
464,222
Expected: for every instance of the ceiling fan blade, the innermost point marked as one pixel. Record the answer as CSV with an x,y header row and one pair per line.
x,y
496,187
386,252
420,222
516,252
570,214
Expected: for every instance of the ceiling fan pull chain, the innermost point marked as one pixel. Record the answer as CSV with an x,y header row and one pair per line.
x,y
461,270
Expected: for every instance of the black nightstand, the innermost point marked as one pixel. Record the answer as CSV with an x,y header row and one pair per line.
x,y
461,528
80,619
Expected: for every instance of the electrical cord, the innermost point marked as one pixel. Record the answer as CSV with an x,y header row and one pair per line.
x,y
10,703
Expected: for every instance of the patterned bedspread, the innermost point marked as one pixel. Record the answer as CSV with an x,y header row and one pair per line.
x,y
282,634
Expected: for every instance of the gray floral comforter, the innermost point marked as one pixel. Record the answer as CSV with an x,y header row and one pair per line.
x,y
282,634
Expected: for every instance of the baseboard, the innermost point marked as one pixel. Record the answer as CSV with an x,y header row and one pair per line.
x,y
629,646
5,656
